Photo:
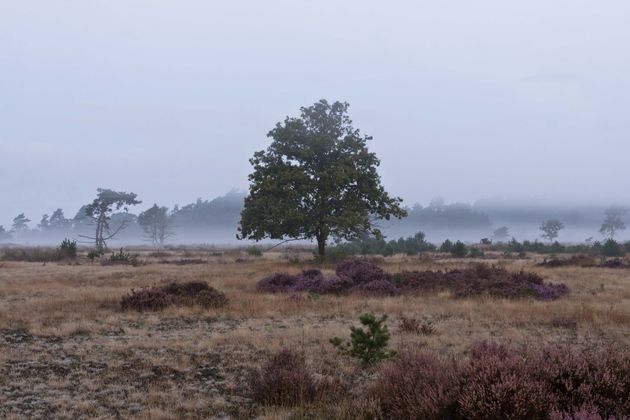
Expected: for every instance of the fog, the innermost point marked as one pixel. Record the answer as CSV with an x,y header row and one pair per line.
x,y
518,103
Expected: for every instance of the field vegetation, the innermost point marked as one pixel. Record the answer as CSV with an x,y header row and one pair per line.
x,y
196,332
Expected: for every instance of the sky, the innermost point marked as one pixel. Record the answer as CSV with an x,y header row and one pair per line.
x,y
465,100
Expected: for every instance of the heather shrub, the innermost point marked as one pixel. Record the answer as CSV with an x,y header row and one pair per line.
x,y
597,379
146,299
482,279
495,381
276,283
361,271
284,380
369,345
417,385
382,287
185,294
495,384
195,293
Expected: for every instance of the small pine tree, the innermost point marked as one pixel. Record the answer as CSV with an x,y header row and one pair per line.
x,y
459,250
367,346
446,246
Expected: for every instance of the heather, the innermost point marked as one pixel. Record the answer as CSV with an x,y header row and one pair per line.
x,y
364,277
283,380
496,381
183,294
479,280
351,276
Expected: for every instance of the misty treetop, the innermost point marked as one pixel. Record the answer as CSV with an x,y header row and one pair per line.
x,y
316,180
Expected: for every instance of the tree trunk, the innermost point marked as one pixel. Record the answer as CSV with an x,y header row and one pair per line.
x,y
321,248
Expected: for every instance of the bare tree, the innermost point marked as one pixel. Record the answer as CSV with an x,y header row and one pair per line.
x,y
613,222
100,212
551,228
156,223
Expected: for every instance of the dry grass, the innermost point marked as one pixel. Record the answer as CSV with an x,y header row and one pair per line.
x,y
66,348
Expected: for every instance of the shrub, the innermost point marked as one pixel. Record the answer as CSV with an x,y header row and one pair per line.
x,y
92,255
446,246
361,271
157,298
482,279
474,252
417,385
120,257
284,381
366,345
146,299
67,249
459,250
611,248
275,283
497,385
498,382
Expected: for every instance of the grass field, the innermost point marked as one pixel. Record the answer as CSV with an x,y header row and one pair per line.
x,y
67,349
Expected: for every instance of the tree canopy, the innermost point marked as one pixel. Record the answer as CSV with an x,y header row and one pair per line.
x,y
316,180
100,211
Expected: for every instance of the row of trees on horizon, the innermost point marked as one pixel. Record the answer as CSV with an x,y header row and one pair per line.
x,y
316,181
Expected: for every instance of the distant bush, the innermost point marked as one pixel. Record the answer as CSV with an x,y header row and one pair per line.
x,y
184,294
481,279
474,252
92,255
611,248
459,250
368,245
446,247
284,380
498,382
121,257
369,345
67,249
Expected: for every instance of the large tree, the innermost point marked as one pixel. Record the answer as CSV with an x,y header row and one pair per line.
x,y
317,180
156,223
100,212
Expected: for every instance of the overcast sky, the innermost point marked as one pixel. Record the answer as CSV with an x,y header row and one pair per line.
x,y
465,99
